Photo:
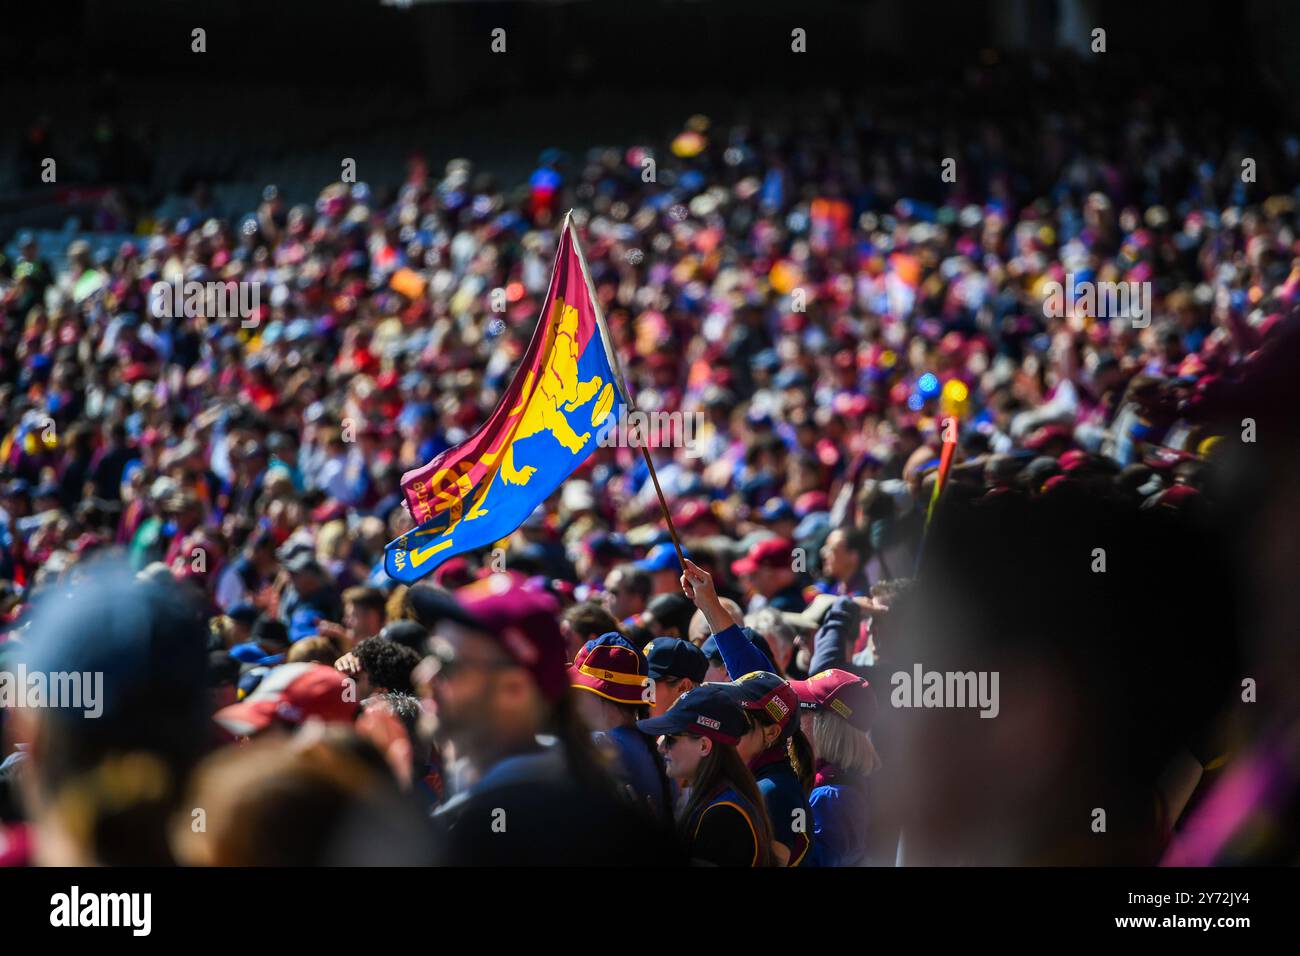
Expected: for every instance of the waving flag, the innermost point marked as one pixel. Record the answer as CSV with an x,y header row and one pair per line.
x,y
941,479
547,423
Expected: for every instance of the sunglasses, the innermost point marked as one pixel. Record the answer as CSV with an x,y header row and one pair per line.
x,y
446,663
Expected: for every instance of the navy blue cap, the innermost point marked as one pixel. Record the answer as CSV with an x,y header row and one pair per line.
x,y
662,557
671,657
17,488
756,488
710,647
243,612
704,711
777,509
252,653
609,546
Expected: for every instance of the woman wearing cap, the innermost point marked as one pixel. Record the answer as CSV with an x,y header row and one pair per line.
x,y
724,822
774,747
836,710
615,678
780,758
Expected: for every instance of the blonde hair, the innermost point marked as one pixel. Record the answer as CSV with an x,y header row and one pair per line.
x,y
397,608
318,648
223,629
840,743
330,540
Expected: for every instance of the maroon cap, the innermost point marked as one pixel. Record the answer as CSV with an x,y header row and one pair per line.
x,y
768,553
1073,460
1046,434
611,667
692,513
1174,497
293,693
811,501
329,510
524,622
768,692
453,573
1056,482
837,690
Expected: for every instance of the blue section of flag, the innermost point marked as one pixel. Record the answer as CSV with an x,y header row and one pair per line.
x,y
475,523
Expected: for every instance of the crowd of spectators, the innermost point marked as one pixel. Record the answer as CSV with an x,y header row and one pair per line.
x,y
783,282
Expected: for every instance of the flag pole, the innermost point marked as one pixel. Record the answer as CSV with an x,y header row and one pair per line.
x,y
612,356
946,456
681,559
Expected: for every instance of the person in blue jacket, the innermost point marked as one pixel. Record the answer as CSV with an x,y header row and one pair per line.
x,y
613,681
836,710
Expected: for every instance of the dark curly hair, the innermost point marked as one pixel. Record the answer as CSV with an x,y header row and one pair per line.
x,y
387,663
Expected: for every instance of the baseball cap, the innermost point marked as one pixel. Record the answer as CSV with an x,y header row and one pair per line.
x,y
776,509
293,693
769,553
243,612
815,525
811,502
302,561
1073,460
671,657
765,691
250,652
837,690
710,647
662,557
611,667
609,547
1046,434
704,711
524,623
303,623
16,488
692,513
